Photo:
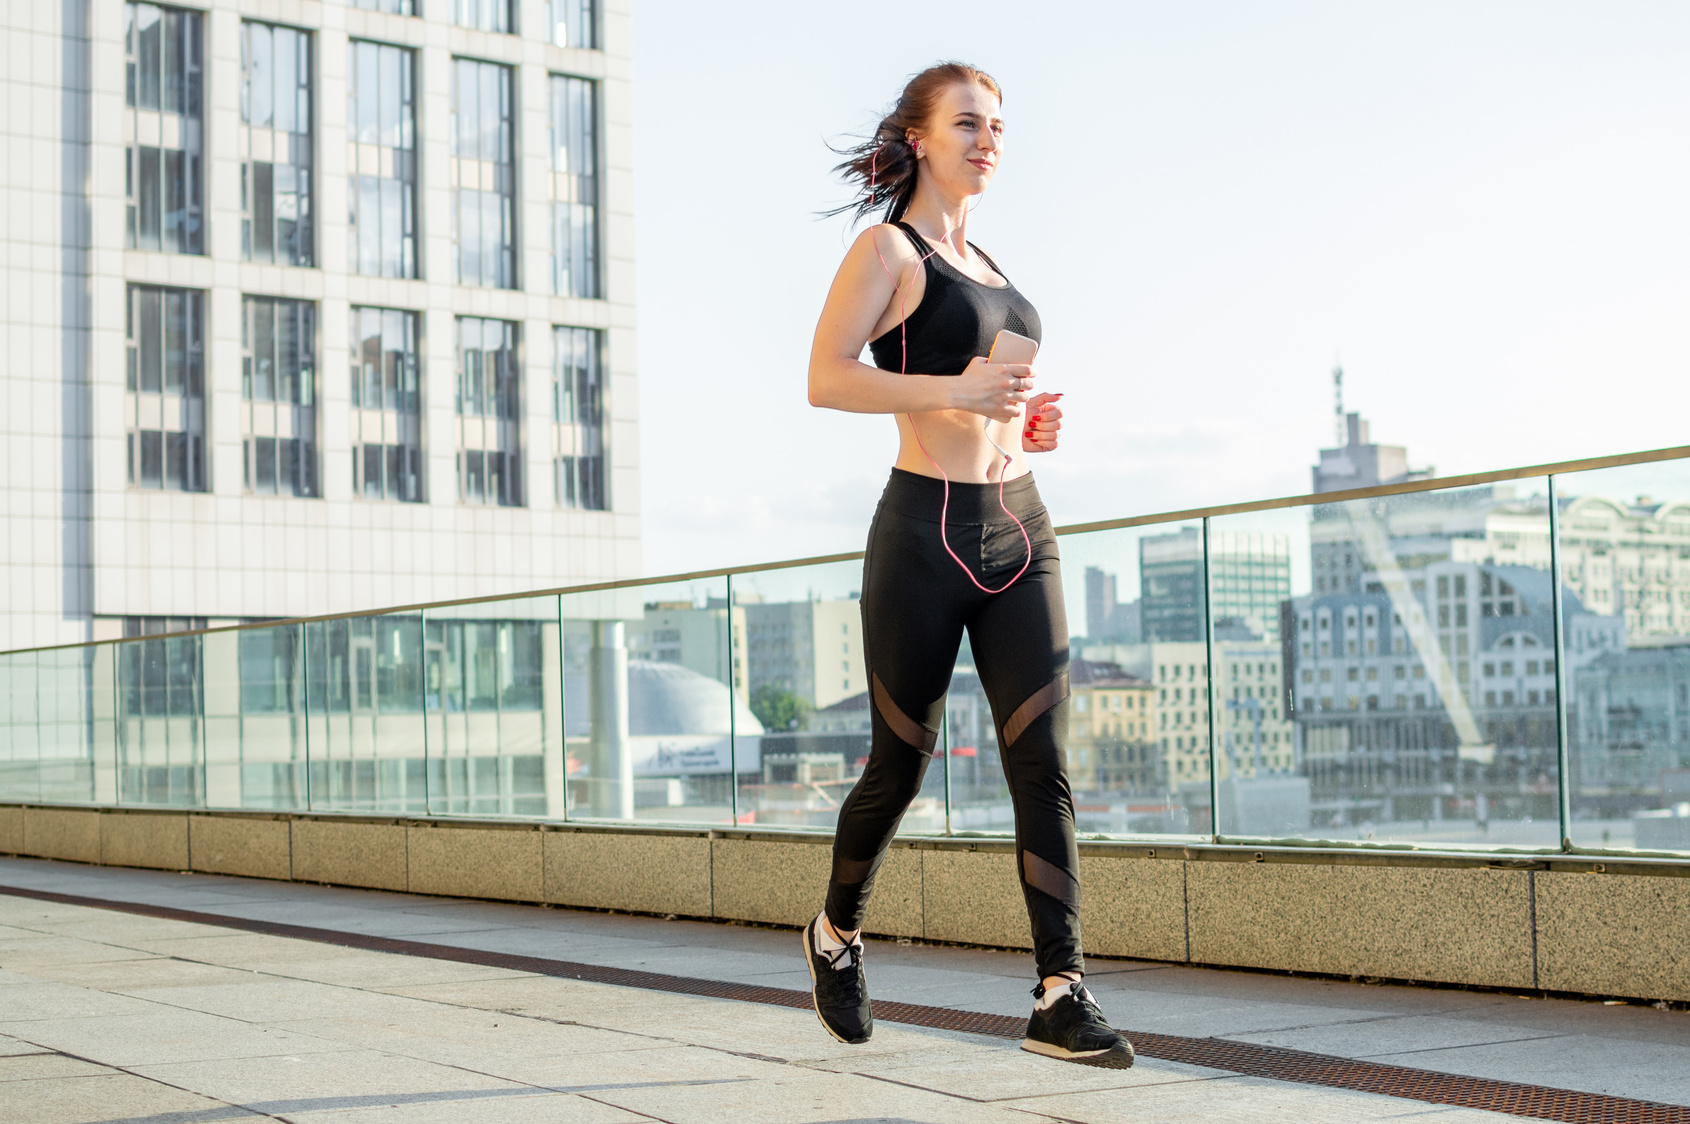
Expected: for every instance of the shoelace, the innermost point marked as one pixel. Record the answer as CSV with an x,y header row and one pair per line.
x,y
849,977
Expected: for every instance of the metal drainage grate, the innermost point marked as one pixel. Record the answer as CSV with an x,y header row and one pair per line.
x,y
1247,1059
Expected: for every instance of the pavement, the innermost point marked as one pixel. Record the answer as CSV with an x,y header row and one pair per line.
x,y
109,1016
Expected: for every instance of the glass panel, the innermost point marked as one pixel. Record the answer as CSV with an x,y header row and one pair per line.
x,y
364,707
803,671
20,739
160,744
1389,642
1625,572
380,153
647,703
162,95
493,687
573,23
256,744
46,726
1138,713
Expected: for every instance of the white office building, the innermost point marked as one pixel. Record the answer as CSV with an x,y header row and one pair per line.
x,y
311,306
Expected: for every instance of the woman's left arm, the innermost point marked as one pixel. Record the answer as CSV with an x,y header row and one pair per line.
x,y
1044,420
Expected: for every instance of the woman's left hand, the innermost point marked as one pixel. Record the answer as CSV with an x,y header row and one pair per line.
x,y
1044,419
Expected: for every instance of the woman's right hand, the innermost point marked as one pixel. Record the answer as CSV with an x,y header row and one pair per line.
x,y
994,390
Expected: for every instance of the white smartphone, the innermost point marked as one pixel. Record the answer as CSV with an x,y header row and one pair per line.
x,y
1011,347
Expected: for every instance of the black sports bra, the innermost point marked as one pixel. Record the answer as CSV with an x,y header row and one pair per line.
x,y
957,319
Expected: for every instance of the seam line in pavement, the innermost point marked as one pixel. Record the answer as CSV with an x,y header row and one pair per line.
x,y
1276,1063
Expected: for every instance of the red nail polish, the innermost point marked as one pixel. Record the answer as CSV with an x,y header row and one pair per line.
x,y
1038,417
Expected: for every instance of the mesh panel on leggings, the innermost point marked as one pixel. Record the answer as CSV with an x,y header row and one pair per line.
x,y
1048,878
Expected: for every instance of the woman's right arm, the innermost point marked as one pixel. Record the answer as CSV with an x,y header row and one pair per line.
x,y
861,296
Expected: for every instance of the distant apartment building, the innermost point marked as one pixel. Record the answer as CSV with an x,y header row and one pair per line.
x,y
1249,577
322,306
813,649
1631,729
1111,731
1108,620
1254,731
709,640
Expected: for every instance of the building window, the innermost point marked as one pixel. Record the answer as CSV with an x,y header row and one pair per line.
x,y
275,144
391,7
382,156
575,187
164,410
574,23
483,15
483,174
489,413
164,126
578,416
386,406
279,396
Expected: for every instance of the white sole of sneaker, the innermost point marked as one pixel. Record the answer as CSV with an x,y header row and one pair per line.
x,y
1116,1057
810,963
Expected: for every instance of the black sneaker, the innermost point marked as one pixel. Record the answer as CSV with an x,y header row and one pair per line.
x,y
1073,1029
838,989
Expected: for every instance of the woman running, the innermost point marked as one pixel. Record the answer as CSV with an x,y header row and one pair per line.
x,y
960,540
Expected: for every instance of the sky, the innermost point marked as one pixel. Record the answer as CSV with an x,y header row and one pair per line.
x,y
1482,211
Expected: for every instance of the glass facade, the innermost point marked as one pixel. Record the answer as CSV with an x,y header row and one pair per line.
x,y
489,413
578,417
573,23
575,187
386,406
484,15
391,7
164,407
164,129
276,145
483,174
382,154
279,396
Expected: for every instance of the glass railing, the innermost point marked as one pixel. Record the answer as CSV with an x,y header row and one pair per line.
x,y
1493,661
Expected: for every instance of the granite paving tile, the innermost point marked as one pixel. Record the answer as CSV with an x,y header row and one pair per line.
x,y
1244,1099
162,1034
117,1097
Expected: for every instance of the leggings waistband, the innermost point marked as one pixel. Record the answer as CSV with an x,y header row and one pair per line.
x,y
921,497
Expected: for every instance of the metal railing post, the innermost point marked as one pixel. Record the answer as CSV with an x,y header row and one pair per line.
x,y
1563,736
1209,688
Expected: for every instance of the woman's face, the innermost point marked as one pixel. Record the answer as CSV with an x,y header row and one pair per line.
x,y
963,140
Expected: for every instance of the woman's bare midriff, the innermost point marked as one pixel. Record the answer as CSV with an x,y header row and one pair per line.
x,y
956,439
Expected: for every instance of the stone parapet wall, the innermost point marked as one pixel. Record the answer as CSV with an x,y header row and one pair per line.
x,y
1573,924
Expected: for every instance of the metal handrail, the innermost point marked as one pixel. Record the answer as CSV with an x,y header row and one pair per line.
x,y
1441,483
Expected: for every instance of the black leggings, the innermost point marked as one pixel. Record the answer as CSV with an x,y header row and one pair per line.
x,y
916,602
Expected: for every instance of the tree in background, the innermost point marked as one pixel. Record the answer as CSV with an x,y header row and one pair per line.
x,y
780,710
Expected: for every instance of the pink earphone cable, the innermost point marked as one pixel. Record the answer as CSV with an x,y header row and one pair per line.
x,y
944,507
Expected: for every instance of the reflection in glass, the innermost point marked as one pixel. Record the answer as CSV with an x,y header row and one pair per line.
x,y
651,706
1391,671
489,413
578,417
164,129
1138,736
364,701
276,144
382,158
386,406
164,409
492,689
279,392
574,23
483,173
47,731
160,701
1624,553
575,186
801,668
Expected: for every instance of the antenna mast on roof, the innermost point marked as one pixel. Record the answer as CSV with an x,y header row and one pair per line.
x,y
1338,405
